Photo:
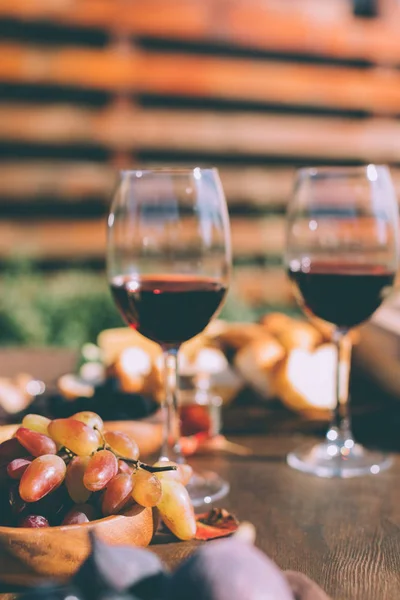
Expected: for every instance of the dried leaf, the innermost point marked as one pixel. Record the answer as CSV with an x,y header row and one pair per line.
x,y
205,444
217,523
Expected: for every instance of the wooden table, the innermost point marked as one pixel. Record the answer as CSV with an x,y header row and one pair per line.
x,y
343,534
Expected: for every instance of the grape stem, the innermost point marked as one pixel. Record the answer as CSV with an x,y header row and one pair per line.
x,y
67,455
144,466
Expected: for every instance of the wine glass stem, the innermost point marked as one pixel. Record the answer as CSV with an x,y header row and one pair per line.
x,y
340,429
171,434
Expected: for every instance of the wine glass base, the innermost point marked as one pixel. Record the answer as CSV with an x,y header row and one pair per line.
x,y
334,460
206,487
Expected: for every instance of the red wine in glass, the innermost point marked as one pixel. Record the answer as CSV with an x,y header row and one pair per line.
x,y
344,294
342,254
168,309
168,267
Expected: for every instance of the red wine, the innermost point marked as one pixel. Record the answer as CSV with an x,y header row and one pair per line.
x,y
343,294
168,309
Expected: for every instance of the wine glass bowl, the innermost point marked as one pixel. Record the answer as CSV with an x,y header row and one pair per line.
x,y
168,263
342,257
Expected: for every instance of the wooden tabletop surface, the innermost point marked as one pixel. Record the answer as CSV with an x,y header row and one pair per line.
x,y
344,534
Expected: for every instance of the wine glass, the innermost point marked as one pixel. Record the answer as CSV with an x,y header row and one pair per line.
x,y
169,262
342,257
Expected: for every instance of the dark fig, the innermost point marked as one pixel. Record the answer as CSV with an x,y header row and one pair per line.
x,y
111,569
228,570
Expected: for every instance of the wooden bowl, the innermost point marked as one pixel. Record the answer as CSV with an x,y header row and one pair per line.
x,y
28,556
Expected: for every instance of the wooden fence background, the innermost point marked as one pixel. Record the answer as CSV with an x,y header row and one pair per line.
x,y
256,87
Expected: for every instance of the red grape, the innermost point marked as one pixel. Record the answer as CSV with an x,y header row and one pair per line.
x,y
34,521
15,501
42,476
11,449
117,494
74,479
3,474
80,513
123,467
36,443
122,444
75,435
53,506
147,489
102,467
17,467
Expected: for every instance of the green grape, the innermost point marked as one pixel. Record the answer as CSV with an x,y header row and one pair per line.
x,y
74,479
36,423
75,435
146,488
176,510
182,473
122,444
90,418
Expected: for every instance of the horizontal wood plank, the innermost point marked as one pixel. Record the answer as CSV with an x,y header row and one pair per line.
x,y
371,90
85,239
255,187
130,129
24,181
319,28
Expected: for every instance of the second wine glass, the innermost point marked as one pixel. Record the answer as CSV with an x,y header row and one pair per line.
x,y
168,263
342,258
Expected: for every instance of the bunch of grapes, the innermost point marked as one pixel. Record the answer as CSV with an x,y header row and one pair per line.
x,y
71,471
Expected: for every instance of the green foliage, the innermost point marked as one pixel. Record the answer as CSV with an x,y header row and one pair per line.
x,y
71,307
67,309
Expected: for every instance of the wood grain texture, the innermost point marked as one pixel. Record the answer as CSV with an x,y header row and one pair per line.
x,y
342,534
372,90
311,26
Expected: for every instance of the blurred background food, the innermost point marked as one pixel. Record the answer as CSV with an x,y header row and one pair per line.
x,y
281,359
255,87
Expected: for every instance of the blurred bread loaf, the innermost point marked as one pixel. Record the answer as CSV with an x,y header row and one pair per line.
x,y
257,361
292,333
305,379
